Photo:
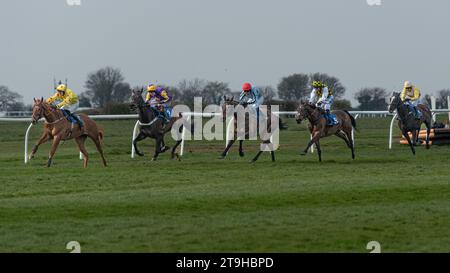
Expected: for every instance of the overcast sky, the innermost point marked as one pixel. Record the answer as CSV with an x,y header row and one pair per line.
x,y
228,40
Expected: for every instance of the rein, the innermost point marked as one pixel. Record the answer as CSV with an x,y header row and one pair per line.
x,y
141,105
54,122
147,124
310,117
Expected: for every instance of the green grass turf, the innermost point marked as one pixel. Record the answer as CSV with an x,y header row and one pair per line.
x,y
202,204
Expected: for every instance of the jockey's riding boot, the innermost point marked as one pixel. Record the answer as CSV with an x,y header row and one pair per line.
x,y
328,118
80,123
331,118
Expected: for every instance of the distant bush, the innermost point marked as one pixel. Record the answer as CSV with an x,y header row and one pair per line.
x,y
114,108
91,111
284,105
342,105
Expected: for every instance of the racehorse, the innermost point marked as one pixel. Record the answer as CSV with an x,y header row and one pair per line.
x,y
319,129
152,126
243,131
58,128
408,122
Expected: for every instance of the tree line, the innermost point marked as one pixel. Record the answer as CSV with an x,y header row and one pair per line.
x,y
106,89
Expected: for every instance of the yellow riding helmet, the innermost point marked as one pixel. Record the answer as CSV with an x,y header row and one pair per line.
x,y
408,84
317,84
151,88
61,88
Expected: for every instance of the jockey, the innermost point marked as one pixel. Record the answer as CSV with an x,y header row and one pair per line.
x,y
68,102
251,96
410,96
323,98
159,100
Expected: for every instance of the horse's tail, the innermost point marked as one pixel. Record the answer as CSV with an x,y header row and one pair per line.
x,y
352,119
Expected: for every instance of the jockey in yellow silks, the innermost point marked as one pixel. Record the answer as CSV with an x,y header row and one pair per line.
x,y
410,96
68,102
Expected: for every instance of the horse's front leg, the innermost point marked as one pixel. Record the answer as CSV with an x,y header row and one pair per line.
x,y
415,137
55,144
224,153
406,135
140,137
319,151
44,138
427,141
241,150
314,139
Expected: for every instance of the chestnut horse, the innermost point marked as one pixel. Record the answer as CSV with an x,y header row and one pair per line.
x,y
58,128
318,126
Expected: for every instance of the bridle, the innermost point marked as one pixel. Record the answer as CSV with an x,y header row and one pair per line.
x,y
306,113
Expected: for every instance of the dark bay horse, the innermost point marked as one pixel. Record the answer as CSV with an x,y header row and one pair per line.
x,y
407,121
245,131
58,128
319,129
152,126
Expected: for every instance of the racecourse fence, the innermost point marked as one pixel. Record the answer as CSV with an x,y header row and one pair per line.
x,y
189,115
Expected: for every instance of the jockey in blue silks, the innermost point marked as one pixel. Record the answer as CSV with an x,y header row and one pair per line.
x,y
323,98
253,97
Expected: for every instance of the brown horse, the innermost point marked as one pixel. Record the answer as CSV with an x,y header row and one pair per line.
x,y
408,123
58,128
319,129
242,131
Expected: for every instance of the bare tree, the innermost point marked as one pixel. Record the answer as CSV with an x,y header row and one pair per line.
x,y
333,83
441,100
214,91
8,99
190,89
372,99
268,92
106,85
294,87
121,92
84,100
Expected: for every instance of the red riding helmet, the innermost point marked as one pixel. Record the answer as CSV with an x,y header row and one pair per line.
x,y
246,87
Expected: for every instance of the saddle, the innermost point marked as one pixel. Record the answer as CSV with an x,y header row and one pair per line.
x,y
330,118
72,118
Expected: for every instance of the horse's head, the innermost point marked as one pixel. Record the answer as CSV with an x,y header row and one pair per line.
x,y
395,101
304,110
136,98
227,101
38,110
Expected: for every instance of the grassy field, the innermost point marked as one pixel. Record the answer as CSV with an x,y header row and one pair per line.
x,y
202,204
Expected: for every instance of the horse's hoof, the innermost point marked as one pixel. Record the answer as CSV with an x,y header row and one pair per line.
x,y
302,153
153,158
165,148
221,157
175,156
241,154
253,161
